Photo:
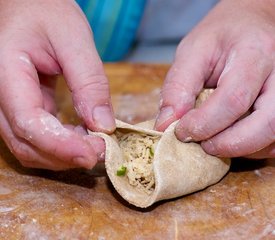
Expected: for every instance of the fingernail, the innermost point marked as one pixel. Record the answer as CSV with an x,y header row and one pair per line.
x,y
103,118
98,145
165,114
101,157
188,139
182,134
184,138
81,161
209,147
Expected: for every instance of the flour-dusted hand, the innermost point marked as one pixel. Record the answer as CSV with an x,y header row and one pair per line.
x,y
231,49
38,40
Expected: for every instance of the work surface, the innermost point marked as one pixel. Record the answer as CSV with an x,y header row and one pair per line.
x,y
39,204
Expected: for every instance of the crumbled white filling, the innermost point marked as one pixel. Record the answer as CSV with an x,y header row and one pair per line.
x,y
138,150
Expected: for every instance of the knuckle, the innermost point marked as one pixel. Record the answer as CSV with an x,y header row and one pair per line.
x,y
192,41
95,78
19,150
182,45
173,82
238,102
18,125
232,149
178,99
199,130
91,85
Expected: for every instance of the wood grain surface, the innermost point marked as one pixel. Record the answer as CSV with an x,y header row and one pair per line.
x,y
79,204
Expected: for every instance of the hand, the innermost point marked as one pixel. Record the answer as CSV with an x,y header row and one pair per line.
x,y
38,40
231,49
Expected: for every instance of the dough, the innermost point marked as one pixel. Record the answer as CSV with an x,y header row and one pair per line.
x,y
158,166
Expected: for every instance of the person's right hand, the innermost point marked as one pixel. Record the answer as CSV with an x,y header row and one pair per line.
x,y
230,50
38,40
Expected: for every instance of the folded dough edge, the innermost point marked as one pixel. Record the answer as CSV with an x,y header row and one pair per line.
x,y
179,168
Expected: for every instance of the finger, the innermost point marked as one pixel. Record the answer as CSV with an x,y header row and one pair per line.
x,y
46,133
28,155
268,152
39,48
31,122
84,73
240,140
97,144
238,87
48,165
33,158
193,64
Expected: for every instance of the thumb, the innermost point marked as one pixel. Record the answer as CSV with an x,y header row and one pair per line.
x,y
183,83
84,74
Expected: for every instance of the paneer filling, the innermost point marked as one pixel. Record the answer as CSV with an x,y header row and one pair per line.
x,y
138,150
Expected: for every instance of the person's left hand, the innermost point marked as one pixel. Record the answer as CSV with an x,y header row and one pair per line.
x,y
232,49
38,40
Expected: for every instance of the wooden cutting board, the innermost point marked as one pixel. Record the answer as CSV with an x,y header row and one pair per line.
x,y
76,204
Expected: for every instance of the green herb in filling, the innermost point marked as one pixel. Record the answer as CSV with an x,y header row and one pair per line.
x,y
151,152
121,171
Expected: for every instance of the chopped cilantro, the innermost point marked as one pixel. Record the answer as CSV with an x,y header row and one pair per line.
x,y
151,151
121,171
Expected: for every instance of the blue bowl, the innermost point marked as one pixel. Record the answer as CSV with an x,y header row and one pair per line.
x,y
114,24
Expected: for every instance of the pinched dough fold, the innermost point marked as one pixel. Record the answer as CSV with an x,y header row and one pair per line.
x,y
177,168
